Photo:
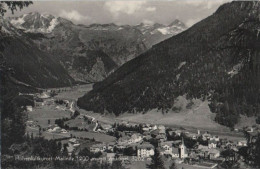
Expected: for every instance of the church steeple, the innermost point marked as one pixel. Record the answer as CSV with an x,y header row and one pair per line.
x,y
182,149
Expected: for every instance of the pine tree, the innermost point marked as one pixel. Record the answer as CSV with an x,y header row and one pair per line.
x,y
157,162
173,166
117,165
13,6
257,150
94,165
65,150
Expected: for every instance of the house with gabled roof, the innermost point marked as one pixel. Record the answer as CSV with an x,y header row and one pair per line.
x,y
175,152
145,150
242,143
212,143
166,147
135,138
98,148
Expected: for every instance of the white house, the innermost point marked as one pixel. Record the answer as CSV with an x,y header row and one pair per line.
x,y
153,127
178,132
110,146
166,147
213,153
161,129
242,143
206,136
135,138
29,108
216,138
98,148
146,128
145,150
54,129
212,144
44,95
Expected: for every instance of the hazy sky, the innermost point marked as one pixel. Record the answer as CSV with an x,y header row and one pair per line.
x,y
127,12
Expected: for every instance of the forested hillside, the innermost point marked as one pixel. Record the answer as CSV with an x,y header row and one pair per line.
x,y
216,59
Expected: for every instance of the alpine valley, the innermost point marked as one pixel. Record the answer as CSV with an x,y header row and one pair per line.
x,y
216,60
108,96
90,53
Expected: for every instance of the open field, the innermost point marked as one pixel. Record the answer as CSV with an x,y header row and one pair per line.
x,y
199,116
196,116
75,92
100,137
47,112
80,124
46,135
41,115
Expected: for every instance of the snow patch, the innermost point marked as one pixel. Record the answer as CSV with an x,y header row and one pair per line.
x,y
178,76
18,21
181,64
164,31
173,30
53,23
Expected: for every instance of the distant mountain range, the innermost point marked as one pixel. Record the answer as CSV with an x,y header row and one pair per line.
x,y
217,59
90,53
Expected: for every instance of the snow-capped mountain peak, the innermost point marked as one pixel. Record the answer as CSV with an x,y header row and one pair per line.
x,y
177,22
35,22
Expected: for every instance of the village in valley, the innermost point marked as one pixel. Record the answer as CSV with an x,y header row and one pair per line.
x,y
81,135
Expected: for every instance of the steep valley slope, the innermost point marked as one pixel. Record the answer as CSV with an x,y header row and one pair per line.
x,y
217,60
29,65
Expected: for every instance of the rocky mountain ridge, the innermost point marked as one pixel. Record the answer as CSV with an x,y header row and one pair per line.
x,y
70,43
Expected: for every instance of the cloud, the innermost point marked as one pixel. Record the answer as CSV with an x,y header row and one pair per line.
x,y
73,15
150,9
211,3
127,7
205,4
148,22
191,22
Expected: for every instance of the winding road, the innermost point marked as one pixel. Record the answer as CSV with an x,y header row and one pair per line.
x,y
74,107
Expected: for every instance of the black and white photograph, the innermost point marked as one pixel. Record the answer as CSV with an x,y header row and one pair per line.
x,y
130,84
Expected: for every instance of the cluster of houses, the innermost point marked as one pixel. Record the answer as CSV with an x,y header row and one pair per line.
x,y
140,141
174,149
141,145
